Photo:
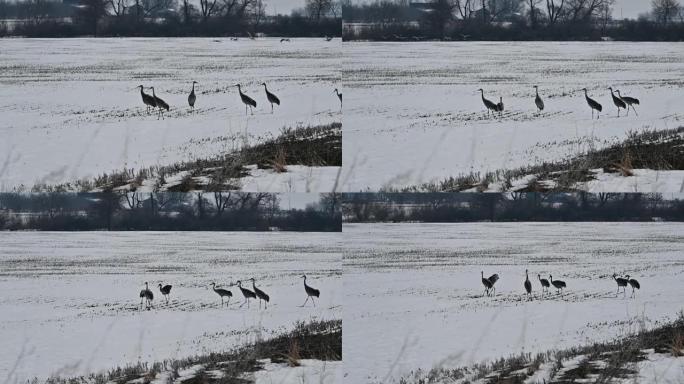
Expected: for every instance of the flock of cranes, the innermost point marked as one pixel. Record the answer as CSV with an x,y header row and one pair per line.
x,y
490,288
621,102
155,102
146,295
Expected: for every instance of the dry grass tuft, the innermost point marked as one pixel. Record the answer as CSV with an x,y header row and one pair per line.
x,y
279,163
293,354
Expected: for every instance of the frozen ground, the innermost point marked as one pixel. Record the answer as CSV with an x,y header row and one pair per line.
x,y
69,302
413,113
414,298
70,109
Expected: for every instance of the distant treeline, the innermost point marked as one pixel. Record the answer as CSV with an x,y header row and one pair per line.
x,y
506,207
585,20
168,18
164,211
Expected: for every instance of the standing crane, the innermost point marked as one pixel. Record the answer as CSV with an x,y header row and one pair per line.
x,y
311,292
191,97
273,99
528,285
633,283
489,282
559,284
500,105
630,101
593,104
617,101
488,104
538,100
621,282
147,296
339,96
161,104
223,293
545,284
246,293
248,101
166,291
261,295
147,99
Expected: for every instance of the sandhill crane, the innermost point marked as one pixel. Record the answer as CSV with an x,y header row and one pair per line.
x,y
593,104
621,282
617,101
633,283
246,293
630,101
339,96
311,292
328,38
284,40
192,97
248,101
260,294
490,105
147,99
545,284
166,291
500,105
538,100
273,99
487,284
493,279
528,285
558,284
222,292
146,295
161,104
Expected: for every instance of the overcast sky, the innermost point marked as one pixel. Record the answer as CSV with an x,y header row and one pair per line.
x,y
284,7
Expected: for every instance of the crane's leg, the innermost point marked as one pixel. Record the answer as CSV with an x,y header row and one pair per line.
x,y
635,111
313,301
305,301
628,110
271,107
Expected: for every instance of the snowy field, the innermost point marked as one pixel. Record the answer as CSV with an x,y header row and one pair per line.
x,y
414,298
69,302
70,108
413,112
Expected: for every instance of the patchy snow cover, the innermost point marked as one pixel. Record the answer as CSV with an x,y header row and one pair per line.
x,y
70,302
643,180
414,298
70,109
413,113
658,368
297,178
309,372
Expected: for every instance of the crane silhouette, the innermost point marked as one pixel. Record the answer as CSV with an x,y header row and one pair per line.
x,y
489,283
161,104
617,101
191,97
261,295
593,104
545,284
538,100
339,96
147,296
328,38
559,284
621,282
634,284
500,105
630,101
488,104
223,293
246,293
528,284
284,40
248,101
147,99
311,292
273,99
166,291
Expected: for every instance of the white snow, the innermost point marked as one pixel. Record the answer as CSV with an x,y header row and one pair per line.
x,y
414,299
413,114
296,178
70,108
643,180
69,303
659,368
309,372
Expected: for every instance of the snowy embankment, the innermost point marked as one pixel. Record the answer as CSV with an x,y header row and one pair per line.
x,y
70,109
414,297
70,302
413,114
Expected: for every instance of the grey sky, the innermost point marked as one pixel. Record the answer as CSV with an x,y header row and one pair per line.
x,y
274,7
297,200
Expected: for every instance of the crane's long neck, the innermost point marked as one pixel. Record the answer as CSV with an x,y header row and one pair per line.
x,y
536,90
153,94
141,91
482,93
193,87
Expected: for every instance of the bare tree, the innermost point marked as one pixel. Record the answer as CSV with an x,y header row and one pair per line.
x,y
318,8
665,11
554,10
502,8
534,12
585,10
464,8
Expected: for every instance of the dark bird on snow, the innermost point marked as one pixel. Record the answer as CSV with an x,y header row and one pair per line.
x,y
273,99
222,292
311,292
260,294
246,293
248,101
559,284
634,284
165,290
593,104
147,296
